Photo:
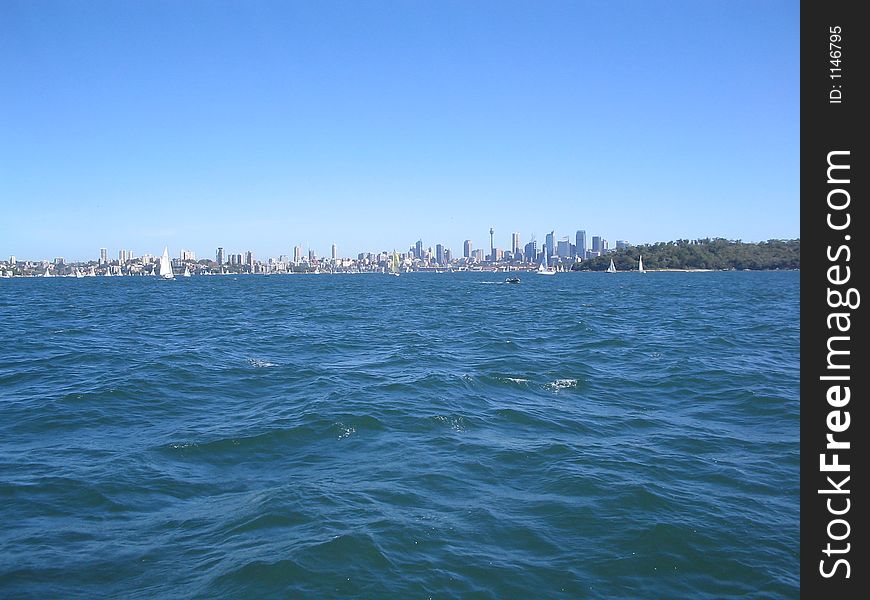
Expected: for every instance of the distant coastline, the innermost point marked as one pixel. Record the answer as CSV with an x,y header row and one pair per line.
x,y
701,255
716,254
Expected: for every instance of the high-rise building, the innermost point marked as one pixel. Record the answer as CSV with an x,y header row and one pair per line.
x,y
491,244
311,255
219,256
563,247
297,254
477,255
104,256
550,243
12,260
187,256
439,254
122,257
58,261
497,254
596,244
418,249
531,251
515,243
448,256
580,243
466,249
334,253
621,244
249,258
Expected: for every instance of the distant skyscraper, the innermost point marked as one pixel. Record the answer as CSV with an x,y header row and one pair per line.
x,y
515,243
12,260
581,243
104,256
439,254
466,249
491,244
297,254
418,249
448,256
477,255
219,256
312,256
531,252
249,258
122,256
621,244
187,256
563,248
334,253
550,243
596,243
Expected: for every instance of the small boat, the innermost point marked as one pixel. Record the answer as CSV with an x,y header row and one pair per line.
x,y
544,268
611,268
394,265
186,272
512,280
165,265
640,265
47,273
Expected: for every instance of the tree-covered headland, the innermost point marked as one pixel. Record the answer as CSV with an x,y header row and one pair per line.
x,y
717,254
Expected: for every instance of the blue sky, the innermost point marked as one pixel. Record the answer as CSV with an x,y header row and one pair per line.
x,y
262,125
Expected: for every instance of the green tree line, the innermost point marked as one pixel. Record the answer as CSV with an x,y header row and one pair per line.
x,y
717,253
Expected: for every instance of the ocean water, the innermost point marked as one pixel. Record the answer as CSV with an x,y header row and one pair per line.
x,y
433,435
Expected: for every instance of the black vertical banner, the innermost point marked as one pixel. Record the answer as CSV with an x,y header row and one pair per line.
x,y
834,392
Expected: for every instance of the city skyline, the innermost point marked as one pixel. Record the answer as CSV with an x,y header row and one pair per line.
x,y
362,124
556,243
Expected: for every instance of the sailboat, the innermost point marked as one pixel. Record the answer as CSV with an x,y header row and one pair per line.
x,y
640,265
165,265
186,272
394,264
47,272
543,268
611,268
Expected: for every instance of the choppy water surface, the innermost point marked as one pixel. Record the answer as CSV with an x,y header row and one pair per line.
x,y
446,435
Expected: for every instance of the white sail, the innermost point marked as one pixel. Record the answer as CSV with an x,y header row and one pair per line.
x,y
165,265
543,268
186,272
612,267
640,265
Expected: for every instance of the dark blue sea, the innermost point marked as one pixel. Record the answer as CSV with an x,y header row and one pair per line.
x,y
426,436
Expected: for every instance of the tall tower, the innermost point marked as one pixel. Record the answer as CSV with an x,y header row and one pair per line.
x,y
219,256
491,245
466,249
104,256
334,252
515,243
580,243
